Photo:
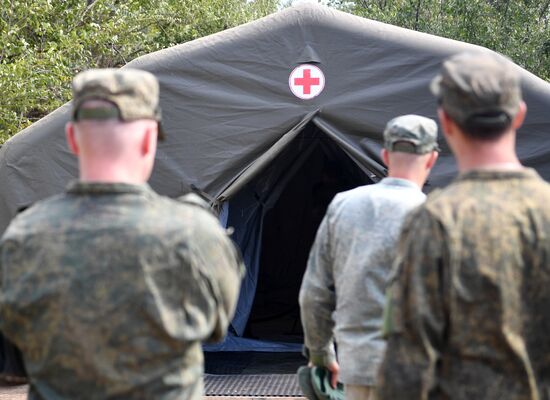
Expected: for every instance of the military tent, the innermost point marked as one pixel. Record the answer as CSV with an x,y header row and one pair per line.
x,y
268,121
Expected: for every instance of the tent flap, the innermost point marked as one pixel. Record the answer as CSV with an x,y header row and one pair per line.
x,y
264,160
376,171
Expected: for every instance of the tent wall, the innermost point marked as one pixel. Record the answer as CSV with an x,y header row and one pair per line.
x,y
226,101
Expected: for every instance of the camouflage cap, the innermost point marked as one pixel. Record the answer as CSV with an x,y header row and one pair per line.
x,y
411,134
480,87
134,94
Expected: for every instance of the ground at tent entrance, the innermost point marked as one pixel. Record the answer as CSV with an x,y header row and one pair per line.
x,y
233,363
13,392
20,393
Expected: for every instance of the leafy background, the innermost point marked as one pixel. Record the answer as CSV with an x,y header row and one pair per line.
x,y
43,43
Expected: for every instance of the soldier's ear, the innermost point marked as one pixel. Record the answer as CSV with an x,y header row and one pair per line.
x,y
385,156
431,160
149,141
71,138
444,120
520,116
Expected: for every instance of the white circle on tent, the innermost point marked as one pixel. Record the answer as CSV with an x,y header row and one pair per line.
x,y
306,81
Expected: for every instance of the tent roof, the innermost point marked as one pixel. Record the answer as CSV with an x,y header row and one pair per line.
x,y
226,101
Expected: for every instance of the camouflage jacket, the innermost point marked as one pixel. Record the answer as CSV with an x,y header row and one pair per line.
x,y
469,310
109,289
343,287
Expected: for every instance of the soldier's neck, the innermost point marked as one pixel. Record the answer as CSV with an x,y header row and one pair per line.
x,y
110,174
496,154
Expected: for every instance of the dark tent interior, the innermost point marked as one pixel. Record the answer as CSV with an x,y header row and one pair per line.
x,y
275,217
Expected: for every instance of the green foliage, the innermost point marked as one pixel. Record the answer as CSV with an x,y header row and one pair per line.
x,y
518,29
43,43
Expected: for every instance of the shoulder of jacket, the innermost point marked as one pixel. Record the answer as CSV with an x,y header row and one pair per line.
x,y
194,200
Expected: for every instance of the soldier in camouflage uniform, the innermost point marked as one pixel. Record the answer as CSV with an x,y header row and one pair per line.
x,y
352,256
468,317
109,288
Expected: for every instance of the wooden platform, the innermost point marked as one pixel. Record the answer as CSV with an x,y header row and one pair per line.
x,y
13,392
20,393
257,385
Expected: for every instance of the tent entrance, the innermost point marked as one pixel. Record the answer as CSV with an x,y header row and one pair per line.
x,y
275,217
289,228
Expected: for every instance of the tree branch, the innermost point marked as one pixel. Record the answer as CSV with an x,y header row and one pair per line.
x,y
417,15
544,10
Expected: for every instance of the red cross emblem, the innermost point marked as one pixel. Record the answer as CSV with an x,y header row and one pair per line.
x,y
306,81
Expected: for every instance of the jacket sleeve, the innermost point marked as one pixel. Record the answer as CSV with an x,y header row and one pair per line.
x,y
318,299
221,269
416,318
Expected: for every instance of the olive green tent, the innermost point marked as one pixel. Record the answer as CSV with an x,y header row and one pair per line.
x,y
268,120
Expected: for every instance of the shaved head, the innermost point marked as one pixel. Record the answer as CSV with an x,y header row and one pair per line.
x,y
111,139
111,149
400,160
411,166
